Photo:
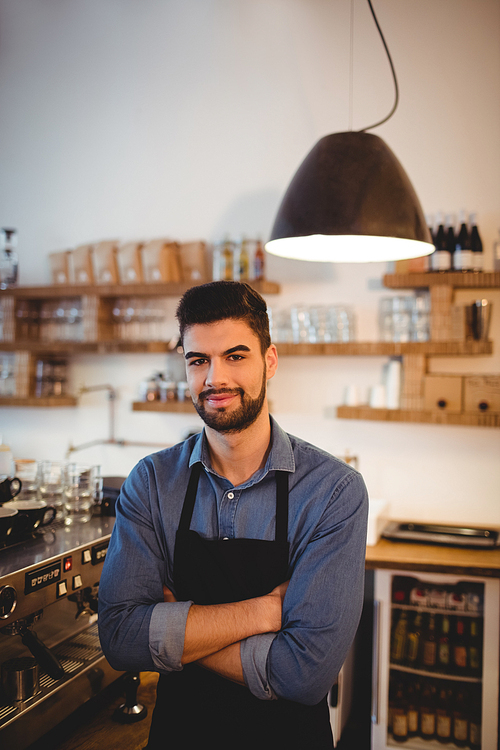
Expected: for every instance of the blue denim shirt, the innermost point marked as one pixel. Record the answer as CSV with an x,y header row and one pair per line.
x,y
328,508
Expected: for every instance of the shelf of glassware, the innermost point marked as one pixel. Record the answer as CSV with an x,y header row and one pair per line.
x,y
486,280
150,289
366,412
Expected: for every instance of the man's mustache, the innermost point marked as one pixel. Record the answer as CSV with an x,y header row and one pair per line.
x,y
219,391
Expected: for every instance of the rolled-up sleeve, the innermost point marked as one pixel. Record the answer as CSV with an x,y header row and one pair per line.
x,y
321,609
138,630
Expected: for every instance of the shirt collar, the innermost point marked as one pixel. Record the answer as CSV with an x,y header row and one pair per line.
x,y
280,457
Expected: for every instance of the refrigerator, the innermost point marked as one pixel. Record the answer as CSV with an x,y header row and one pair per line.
x,y
435,670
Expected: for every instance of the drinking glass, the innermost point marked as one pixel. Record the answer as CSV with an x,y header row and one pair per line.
x,y
52,484
79,493
27,472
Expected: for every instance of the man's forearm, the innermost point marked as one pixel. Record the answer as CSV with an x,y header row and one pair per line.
x,y
226,663
211,628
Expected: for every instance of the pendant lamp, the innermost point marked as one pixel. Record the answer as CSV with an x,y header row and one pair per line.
x,y
351,201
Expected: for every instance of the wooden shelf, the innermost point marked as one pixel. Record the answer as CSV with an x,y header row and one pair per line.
x,y
430,417
162,289
487,280
49,401
389,348
176,407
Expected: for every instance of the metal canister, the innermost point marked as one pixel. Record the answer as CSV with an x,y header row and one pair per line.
x,y
20,678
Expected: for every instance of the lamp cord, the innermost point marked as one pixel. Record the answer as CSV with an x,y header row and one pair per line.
x,y
396,87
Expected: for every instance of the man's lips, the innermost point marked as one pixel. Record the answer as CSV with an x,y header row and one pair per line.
x,y
219,399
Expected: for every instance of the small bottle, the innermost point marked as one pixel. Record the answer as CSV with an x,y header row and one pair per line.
x,y
450,240
226,273
427,713
241,270
8,260
413,641
460,733
429,649
440,258
399,639
475,650
476,246
459,648
443,716
412,698
400,715
463,252
443,651
475,720
259,262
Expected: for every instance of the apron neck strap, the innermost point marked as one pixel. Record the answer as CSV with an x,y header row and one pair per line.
x,y
281,533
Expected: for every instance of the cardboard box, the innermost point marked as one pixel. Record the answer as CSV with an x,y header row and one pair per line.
x,y
443,393
60,267
105,263
193,257
482,393
82,264
161,262
378,515
130,263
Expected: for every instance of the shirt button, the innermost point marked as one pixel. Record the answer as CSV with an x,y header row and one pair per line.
x,y
230,495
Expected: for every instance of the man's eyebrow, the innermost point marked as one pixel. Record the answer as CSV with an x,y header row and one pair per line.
x,y
232,350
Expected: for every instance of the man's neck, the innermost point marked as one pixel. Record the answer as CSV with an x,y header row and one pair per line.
x,y
237,456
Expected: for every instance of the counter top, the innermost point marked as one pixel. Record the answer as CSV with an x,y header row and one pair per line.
x,y
437,558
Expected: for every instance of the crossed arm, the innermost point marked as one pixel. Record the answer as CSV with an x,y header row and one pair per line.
x,y
214,632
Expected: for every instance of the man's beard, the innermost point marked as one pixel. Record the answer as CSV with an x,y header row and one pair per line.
x,y
238,419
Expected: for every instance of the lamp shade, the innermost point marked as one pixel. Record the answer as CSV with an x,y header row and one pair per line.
x,y
350,201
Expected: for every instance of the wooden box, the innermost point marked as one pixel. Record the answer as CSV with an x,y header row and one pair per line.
x,y
482,393
443,393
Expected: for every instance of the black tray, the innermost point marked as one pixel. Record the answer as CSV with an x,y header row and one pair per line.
x,y
454,536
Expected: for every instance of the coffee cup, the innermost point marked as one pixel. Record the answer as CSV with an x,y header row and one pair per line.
x,y
9,488
36,512
9,521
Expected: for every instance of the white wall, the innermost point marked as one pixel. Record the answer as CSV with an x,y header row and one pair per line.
x,y
187,118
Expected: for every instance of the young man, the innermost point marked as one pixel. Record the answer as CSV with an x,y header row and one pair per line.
x,y
236,563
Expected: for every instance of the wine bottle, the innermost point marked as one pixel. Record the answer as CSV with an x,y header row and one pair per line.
x,y
400,715
241,261
8,260
440,258
476,246
463,253
443,716
427,713
429,649
450,240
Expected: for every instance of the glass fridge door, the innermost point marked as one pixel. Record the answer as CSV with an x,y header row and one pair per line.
x,y
436,661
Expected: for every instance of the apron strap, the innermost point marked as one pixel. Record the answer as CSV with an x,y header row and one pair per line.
x,y
190,497
281,533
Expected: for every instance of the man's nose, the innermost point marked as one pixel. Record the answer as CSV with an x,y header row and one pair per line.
x,y
216,374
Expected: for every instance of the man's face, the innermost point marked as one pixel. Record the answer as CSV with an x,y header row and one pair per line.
x,y
227,373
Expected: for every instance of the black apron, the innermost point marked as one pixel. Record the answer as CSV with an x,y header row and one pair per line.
x,y
195,706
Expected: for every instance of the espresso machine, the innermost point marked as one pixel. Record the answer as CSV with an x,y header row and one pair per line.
x,y
51,660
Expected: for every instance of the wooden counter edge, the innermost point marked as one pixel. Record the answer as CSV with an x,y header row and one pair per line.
x,y
433,558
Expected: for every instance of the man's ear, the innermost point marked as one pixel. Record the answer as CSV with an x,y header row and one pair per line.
x,y
271,359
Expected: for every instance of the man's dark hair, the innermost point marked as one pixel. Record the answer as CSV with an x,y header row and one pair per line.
x,y
220,300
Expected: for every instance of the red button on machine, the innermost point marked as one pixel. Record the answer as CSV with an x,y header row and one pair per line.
x,y
67,563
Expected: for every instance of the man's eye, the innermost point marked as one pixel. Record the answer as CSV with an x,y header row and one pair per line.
x,y
235,357
197,362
